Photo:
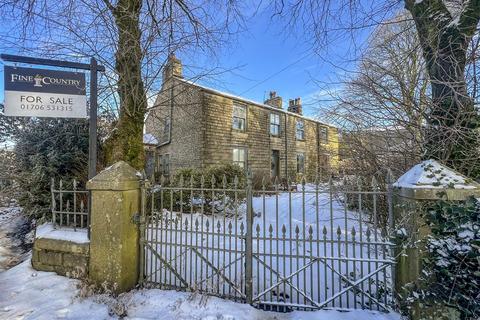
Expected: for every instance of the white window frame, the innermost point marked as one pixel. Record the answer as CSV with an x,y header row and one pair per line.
x,y
239,116
300,129
237,158
274,124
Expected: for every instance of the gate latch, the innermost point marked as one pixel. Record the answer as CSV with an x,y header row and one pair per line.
x,y
136,218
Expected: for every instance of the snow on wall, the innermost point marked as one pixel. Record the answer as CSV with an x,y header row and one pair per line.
x,y
433,175
47,231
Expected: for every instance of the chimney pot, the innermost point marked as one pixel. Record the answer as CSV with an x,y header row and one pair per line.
x,y
173,67
274,100
295,105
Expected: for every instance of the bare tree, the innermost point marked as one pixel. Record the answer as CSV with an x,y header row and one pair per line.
x,y
453,121
445,29
382,109
132,38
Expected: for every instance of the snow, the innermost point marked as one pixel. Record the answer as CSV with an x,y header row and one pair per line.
x,y
29,294
47,231
186,231
13,226
149,139
433,175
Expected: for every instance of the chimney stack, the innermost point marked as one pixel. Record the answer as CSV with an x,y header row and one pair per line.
x,y
173,67
295,105
274,100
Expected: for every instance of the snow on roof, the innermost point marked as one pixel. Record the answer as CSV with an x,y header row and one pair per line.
x,y
149,139
433,175
226,94
47,231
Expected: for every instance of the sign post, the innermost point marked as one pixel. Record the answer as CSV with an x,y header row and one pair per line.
x,y
92,125
33,92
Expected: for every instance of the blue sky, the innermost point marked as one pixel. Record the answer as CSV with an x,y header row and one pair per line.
x,y
267,57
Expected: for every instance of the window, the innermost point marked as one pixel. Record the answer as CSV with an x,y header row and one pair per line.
x,y
274,124
149,163
300,132
323,135
239,117
300,163
239,157
164,165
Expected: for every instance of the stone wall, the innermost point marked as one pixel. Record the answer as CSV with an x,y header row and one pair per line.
x,y
187,122
67,258
221,138
202,133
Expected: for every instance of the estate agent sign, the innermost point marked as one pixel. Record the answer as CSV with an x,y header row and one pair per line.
x,y
32,92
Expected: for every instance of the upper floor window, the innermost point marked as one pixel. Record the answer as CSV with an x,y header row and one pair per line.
x,y
239,157
323,135
239,117
300,163
300,132
274,124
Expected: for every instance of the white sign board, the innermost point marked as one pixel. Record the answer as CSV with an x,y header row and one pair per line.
x,y
44,93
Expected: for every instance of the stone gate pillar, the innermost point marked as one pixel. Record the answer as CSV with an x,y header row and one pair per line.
x,y
114,236
414,192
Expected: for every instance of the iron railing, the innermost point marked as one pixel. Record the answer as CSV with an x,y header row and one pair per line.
x,y
306,248
70,205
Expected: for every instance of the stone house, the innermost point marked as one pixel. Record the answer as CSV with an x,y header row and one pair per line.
x,y
196,126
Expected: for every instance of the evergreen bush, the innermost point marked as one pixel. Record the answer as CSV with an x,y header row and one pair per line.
x,y
47,149
451,267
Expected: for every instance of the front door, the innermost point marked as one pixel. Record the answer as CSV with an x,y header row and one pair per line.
x,y
275,163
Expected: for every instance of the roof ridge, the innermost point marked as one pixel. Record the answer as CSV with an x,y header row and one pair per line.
x,y
252,101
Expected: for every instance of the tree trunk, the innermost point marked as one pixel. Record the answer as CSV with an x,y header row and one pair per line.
x,y
126,141
452,123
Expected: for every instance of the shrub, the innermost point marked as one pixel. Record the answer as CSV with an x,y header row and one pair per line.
x,y
48,149
451,268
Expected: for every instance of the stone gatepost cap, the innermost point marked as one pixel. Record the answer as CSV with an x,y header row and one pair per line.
x,y
430,180
119,176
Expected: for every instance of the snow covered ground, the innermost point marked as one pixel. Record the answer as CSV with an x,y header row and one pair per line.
x,y
309,234
29,294
13,227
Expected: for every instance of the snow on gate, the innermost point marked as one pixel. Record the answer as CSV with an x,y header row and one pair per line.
x,y
306,249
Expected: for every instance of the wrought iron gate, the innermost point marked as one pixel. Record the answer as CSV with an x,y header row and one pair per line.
x,y
308,247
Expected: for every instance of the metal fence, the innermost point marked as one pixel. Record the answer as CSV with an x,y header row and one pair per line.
x,y
314,246
70,205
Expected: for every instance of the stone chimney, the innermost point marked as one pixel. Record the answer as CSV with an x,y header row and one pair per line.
x,y
274,100
295,105
173,67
